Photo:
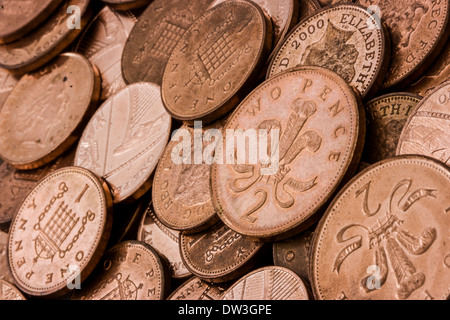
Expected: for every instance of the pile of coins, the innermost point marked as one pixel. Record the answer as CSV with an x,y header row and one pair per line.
x,y
224,150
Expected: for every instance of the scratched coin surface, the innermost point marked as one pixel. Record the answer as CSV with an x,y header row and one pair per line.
x,y
5,273
307,8
340,38
217,61
103,43
47,110
268,283
61,229
385,236
154,37
163,240
125,139
46,42
218,254
7,82
126,4
418,31
386,117
427,131
197,289
19,18
9,292
130,271
311,116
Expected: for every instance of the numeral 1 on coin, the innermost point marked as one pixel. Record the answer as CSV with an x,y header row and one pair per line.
x,y
86,187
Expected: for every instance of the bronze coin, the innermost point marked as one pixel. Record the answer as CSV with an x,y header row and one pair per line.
x,y
386,117
126,4
385,236
59,232
338,38
131,270
46,42
16,184
9,292
7,82
47,110
125,139
154,37
419,30
163,240
269,283
197,289
427,131
18,19
218,254
308,8
103,42
5,273
314,120
216,61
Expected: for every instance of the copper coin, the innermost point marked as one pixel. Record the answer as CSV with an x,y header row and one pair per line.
x,y
130,271
125,139
434,76
385,235
418,30
427,131
182,191
103,42
308,8
16,184
269,283
46,42
155,35
7,83
197,289
293,253
5,273
47,110
126,4
386,117
9,292
218,254
216,61
317,126
17,19
338,38
60,231
163,240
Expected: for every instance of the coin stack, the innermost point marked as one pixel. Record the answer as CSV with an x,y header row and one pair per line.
x,y
224,150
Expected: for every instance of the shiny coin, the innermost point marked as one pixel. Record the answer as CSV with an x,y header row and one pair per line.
x,y
60,230
197,289
212,67
385,236
126,4
125,139
341,39
9,292
5,273
307,8
7,82
47,110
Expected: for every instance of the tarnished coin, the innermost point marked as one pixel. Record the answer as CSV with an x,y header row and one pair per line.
x,y
19,18
385,236
103,43
434,76
269,283
46,42
307,8
427,131
60,231
163,240
126,4
197,289
131,270
217,61
9,292
16,184
7,82
293,253
218,254
47,110
386,117
125,139
341,38
5,273
419,30
154,37
314,129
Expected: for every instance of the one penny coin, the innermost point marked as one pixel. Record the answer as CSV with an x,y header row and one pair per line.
x,y
125,139
126,4
8,292
197,289
59,232
385,236
212,68
47,110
